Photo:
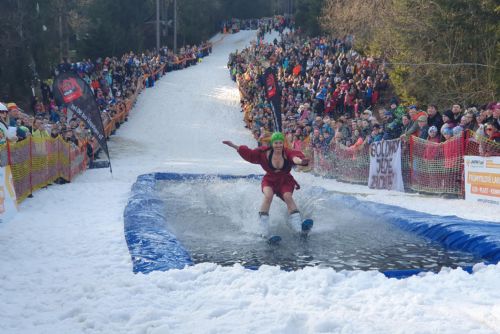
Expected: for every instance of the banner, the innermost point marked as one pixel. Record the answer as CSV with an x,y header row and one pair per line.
x,y
8,206
482,179
70,90
274,96
385,165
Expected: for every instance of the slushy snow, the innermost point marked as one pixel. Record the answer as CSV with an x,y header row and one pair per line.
x,y
65,266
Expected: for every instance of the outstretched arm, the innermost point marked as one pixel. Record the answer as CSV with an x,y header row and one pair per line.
x,y
230,144
297,157
253,156
300,161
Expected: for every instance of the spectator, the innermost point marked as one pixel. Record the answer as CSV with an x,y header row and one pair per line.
x,y
375,134
69,137
39,130
408,127
392,129
433,117
423,128
495,114
492,131
433,135
14,116
13,113
4,126
54,132
468,121
456,109
447,133
458,131
448,119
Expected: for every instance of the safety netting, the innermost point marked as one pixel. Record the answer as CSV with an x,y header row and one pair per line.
x,y
479,145
343,163
437,167
427,167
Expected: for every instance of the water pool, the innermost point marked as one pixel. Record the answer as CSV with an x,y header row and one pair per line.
x,y
216,221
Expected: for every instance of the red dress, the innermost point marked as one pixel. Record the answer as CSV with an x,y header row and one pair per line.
x,y
281,181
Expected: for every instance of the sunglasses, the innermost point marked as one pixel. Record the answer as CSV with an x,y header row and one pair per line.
x,y
489,129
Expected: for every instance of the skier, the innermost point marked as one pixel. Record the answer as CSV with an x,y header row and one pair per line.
x,y
277,161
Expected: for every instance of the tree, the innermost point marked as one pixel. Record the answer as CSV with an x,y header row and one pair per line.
x,y
307,14
441,51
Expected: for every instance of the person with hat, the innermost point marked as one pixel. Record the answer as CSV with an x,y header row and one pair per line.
x,y
448,120
13,113
447,133
433,135
4,125
392,129
277,161
396,109
423,128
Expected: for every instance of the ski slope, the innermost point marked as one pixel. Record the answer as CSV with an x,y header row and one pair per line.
x,y
65,266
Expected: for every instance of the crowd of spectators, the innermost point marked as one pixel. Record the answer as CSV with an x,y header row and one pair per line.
x,y
332,94
263,25
112,81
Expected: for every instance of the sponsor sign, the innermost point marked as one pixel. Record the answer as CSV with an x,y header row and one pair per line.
x,y
482,179
71,91
8,206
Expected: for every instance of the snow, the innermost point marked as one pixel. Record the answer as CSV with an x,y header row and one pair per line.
x,y
65,266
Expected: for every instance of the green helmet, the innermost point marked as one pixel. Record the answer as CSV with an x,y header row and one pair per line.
x,y
277,136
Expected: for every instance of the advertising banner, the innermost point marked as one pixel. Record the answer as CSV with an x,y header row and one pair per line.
x,y
70,90
482,179
274,96
8,206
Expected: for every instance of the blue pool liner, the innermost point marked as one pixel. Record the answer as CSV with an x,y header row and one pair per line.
x,y
153,247
151,244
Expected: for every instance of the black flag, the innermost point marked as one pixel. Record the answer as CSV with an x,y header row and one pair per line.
x,y
70,90
274,96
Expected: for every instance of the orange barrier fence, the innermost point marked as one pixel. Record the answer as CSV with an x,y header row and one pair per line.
x,y
38,162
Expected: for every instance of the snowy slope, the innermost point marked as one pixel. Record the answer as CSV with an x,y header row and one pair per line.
x,y
65,267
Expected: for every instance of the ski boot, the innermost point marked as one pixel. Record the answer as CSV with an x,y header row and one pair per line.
x,y
264,229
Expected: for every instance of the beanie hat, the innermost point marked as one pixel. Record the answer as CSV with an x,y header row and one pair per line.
x,y
447,131
422,118
11,106
457,130
448,113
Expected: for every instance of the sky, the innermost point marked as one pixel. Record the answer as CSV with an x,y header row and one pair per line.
x,y
65,266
